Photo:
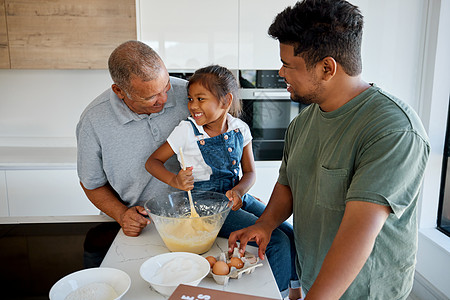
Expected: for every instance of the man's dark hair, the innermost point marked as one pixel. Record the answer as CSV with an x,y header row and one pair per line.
x,y
321,28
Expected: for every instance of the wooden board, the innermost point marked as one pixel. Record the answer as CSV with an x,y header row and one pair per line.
x,y
188,292
67,34
4,50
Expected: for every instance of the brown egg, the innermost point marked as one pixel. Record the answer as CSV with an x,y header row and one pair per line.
x,y
212,260
221,268
236,262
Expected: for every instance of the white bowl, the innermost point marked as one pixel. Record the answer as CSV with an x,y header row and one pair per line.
x,y
166,271
93,280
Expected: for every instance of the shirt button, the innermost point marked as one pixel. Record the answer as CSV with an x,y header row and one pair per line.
x,y
235,171
225,137
230,149
202,142
233,162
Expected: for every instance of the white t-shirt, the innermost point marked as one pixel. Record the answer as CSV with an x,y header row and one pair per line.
x,y
183,136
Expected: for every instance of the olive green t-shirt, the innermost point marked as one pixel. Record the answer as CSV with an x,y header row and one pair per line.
x,y
374,148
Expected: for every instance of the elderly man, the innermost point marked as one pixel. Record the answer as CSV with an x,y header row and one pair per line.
x,y
119,130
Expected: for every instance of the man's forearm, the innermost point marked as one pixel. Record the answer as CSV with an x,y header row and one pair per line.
x,y
350,249
279,207
105,199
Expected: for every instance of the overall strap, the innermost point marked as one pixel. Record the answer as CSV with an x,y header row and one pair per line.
x,y
196,131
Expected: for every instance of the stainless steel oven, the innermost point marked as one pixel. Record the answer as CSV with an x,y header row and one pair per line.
x,y
268,110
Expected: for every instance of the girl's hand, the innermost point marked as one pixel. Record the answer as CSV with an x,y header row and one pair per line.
x,y
234,196
183,180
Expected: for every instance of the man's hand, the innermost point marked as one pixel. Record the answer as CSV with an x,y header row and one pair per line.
x,y
133,220
258,233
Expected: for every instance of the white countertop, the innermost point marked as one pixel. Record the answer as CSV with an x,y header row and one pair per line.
x,y
56,219
38,158
128,254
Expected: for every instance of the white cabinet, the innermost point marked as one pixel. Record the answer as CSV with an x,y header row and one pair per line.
x,y
4,212
191,34
257,50
46,193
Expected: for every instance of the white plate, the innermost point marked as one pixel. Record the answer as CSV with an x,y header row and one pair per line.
x,y
117,279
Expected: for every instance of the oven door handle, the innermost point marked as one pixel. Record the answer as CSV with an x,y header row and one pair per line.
x,y
271,94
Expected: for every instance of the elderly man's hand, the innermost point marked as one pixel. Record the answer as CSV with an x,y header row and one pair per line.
x,y
133,220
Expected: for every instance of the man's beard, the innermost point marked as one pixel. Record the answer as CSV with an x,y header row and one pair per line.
x,y
312,97
307,100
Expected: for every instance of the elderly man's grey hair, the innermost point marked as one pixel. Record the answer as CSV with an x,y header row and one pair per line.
x,y
133,58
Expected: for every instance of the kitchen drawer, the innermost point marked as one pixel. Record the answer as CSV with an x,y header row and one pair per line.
x,y
46,193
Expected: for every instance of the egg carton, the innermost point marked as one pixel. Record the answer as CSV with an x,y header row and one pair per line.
x,y
251,262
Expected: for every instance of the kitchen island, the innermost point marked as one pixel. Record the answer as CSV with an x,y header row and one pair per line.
x,y
128,254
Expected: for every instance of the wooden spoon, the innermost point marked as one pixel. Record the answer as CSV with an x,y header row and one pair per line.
x,y
194,213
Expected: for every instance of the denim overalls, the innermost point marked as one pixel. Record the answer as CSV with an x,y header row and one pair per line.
x,y
223,154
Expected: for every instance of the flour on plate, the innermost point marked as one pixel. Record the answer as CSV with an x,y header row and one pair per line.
x,y
94,291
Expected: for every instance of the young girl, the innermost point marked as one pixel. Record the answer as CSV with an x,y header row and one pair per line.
x,y
214,144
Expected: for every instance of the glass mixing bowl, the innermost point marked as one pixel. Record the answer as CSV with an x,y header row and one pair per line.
x,y
172,217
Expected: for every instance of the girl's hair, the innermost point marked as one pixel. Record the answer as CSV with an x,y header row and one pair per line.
x,y
219,81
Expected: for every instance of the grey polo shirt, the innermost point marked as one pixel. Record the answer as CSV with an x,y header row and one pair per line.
x,y
114,143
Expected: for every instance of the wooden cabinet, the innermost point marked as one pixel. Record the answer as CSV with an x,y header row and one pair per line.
x,y
46,193
4,50
64,34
